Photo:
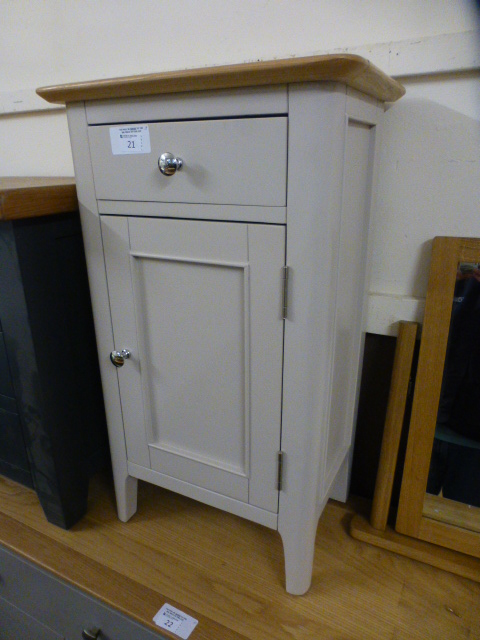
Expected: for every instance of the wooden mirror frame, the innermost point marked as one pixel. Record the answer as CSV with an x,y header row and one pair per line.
x,y
447,253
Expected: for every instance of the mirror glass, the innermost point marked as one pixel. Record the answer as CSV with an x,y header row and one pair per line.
x,y
453,489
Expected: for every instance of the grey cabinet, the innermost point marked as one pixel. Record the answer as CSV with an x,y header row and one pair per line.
x,y
230,371
16,624
299,155
52,420
35,605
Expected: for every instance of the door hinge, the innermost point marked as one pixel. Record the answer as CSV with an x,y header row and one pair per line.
x,y
280,455
286,273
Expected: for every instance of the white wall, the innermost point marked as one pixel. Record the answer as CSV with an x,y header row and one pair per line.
x,y
429,185
429,172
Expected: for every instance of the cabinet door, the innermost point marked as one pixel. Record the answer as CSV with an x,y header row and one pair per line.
x,y
199,306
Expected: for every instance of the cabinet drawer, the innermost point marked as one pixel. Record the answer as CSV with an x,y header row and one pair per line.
x,y
233,161
59,607
15,624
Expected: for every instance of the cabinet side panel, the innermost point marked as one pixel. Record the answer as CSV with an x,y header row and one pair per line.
x,y
362,110
315,152
351,291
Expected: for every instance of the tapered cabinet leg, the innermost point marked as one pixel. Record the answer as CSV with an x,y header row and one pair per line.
x,y
126,490
298,548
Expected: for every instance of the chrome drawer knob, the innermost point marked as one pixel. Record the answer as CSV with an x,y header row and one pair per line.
x,y
91,634
169,164
118,357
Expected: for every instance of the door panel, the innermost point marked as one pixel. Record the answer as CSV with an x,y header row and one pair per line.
x,y
202,400
194,325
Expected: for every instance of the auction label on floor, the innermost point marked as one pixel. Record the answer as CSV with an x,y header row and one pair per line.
x,y
175,621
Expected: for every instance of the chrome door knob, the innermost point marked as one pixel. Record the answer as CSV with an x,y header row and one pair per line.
x,y
118,357
169,164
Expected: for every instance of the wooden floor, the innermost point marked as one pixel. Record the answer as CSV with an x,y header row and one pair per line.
x,y
228,572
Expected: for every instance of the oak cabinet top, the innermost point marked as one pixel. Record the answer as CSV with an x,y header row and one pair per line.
x,y
351,70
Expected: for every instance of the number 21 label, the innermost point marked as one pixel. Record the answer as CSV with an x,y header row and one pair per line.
x,y
134,139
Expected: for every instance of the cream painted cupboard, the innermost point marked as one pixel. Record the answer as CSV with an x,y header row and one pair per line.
x,y
225,216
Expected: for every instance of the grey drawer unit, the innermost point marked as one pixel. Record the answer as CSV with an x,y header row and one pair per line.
x,y
16,624
52,421
38,598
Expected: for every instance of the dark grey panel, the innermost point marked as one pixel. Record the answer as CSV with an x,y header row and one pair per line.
x,y
51,354
62,607
12,445
16,625
6,387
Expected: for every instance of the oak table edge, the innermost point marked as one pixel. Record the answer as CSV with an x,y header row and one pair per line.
x,y
32,197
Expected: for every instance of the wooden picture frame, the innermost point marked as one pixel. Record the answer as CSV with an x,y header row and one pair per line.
x,y
447,254
401,378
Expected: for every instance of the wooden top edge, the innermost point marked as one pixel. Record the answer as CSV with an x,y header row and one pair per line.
x,y
32,197
29,182
352,70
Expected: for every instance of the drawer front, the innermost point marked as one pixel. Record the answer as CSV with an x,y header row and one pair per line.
x,y
60,607
234,161
15,624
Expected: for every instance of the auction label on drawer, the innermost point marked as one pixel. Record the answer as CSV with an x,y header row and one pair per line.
x,y
134,139
175,621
